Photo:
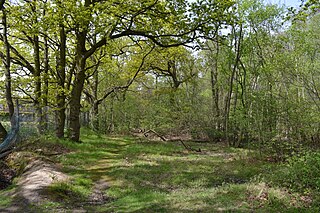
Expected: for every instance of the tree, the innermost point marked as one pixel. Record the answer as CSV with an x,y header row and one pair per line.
x,y
6,60
131,19
7,63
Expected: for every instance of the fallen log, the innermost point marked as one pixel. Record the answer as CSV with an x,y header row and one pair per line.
x,y
165,139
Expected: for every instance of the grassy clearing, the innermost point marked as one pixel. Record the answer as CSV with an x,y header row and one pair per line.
x,y
145,176
149,176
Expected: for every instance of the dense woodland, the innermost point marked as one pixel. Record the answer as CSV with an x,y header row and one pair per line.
x,y
235,71
216,74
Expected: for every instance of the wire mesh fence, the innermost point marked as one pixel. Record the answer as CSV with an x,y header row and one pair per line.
x,y
28,124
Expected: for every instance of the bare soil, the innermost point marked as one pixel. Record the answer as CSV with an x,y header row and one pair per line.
x,y
37,176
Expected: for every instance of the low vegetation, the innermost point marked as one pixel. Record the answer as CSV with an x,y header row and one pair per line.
x,y
155,176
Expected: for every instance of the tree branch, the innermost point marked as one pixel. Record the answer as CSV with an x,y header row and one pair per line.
x,y
114,89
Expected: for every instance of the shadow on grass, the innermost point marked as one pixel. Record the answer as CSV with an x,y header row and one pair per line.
x,y
164,177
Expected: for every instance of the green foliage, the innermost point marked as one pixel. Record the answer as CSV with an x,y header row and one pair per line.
x,y
301,172
5,200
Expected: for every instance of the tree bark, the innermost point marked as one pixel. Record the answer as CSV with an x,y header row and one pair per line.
x,y
7,63
94,116
46,84
215,89
45,115
74,129
75,99
95,105
61,97
37,82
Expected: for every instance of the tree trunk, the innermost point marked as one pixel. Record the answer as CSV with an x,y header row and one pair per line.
x,y
12,137
61,97
80,76
46,84
75,99
37,79
215,89
75,105
111,125
94,116
95,105
237,47
7,67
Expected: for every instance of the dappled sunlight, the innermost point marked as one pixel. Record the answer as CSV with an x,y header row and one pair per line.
x,y
133,176
201,199
261,194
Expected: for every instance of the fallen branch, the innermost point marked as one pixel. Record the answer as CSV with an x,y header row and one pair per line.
x,y
154,132
189,147
164,139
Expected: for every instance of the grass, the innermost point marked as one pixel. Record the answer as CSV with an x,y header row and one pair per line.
x,y
71,192
147,176
5,200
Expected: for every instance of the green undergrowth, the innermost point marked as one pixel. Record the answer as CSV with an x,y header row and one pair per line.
x,y
155,176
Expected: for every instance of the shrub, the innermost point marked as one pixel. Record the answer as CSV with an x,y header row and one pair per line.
x,y
301,173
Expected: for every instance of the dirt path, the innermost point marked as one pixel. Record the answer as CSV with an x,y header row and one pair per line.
x,y
31,191
37,176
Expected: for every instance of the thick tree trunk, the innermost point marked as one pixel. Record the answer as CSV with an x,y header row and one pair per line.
x,y
75,99
75,105
61,97
76,92
7,67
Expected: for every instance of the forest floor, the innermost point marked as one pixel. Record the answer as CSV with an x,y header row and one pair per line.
x,y
127,174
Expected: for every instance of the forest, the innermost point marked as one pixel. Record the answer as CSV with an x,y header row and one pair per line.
x,y
159,106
